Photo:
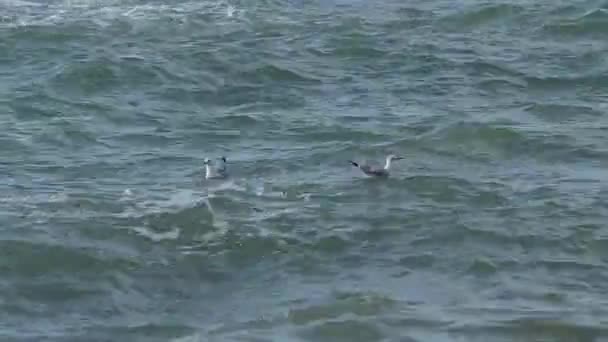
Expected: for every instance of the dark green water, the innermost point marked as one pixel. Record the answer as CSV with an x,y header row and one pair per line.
x,y
493,227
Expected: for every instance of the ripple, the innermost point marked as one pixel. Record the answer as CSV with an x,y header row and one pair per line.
x,y
418,261
274,73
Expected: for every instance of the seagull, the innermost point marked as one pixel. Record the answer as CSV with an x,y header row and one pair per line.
x,y
215,172
376,171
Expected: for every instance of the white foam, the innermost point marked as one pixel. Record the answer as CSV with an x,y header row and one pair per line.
x,y
103,12
127,194
230,11
268,214
189,338
214,186
176,201
173,234
36,198
20,3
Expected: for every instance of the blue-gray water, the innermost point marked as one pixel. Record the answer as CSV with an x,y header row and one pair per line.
x,y
493,227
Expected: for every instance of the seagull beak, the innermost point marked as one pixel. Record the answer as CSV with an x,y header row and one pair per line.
x,y
397,158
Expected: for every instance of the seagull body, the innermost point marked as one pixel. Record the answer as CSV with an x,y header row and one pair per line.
x,y
215,171
374,171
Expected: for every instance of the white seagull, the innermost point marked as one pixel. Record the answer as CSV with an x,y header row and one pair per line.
x,y
377,171
218,171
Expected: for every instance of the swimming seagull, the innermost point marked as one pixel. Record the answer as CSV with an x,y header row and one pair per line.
x,y
376,171
218,171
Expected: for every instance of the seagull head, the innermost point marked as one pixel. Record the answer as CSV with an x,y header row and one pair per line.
x,y
207,161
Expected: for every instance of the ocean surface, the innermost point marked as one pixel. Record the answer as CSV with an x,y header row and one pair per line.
x,y
494,226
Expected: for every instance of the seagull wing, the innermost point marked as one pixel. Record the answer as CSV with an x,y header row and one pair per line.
x,y
373,171
370,170
221,168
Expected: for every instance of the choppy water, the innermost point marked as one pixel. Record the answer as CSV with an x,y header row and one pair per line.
x,y
493,228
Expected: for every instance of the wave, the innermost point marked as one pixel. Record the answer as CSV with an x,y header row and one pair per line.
x,y
476,17
591,82
592,24
562,113
167,331
487,140
29,257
